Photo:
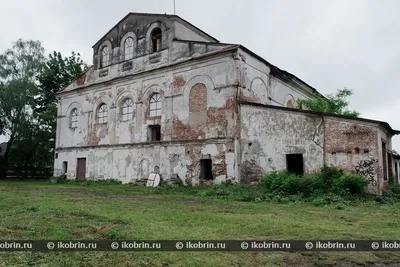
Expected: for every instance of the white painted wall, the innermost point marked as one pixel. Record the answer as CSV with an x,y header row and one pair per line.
x,y
267,135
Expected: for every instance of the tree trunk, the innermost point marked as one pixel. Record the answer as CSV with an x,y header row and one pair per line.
x,y
26,165
5,158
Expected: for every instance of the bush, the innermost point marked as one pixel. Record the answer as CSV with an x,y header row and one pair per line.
x,y
328,180
328,175
350,183
283,182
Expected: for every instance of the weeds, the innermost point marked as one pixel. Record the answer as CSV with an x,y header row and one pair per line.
x,y
330,186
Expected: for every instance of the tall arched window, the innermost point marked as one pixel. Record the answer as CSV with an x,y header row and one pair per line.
x,y
127,109
155,105
156,40
102,114
105,56
128,48
73,119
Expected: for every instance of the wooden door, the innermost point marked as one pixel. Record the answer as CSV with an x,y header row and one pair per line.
x,y
81,169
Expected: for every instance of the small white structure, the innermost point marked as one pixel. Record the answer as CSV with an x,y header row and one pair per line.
x,y
154,180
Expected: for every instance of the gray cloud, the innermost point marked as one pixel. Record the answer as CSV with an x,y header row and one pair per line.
x,y
328,44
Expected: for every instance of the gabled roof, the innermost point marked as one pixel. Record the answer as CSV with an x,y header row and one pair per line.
x,y
176,17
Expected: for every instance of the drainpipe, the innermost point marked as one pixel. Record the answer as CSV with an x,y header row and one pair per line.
x,y
324,146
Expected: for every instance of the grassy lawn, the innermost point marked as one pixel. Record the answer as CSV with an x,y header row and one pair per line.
x,y
40,210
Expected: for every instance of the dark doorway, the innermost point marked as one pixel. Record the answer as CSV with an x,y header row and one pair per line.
x,y
390,167
81,169
385,175
65,167
206,169
294,163
155,133
156,40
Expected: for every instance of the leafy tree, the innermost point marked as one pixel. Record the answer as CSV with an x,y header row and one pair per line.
x,y
28,107
22,61
19,67
57,72
16,98
337,103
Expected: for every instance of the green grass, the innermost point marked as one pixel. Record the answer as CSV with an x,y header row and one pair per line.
x,y
40,210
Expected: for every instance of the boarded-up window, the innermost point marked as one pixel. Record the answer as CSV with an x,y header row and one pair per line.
x,y
198,98
198,106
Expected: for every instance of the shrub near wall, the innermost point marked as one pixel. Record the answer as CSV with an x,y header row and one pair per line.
x,y
328,180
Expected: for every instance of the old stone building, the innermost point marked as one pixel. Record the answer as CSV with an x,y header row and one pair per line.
x,y
163,96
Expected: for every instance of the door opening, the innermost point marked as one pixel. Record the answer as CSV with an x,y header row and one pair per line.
x,y
65,167
81,169
295,164
206,169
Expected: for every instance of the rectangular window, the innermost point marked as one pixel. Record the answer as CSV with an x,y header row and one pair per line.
x,y
154,133
295,164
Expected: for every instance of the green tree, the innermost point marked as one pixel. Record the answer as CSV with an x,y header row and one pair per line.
x,y
28,106
57,73
23,61
16,99
337,104
19,67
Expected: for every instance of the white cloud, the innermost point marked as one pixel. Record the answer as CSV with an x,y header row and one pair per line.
x,y
328,44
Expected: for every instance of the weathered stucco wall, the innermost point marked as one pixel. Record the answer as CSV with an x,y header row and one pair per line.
x,y
268,135
259,85
130,163
198,104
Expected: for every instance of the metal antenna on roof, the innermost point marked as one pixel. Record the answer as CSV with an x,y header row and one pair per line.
x,y
174,8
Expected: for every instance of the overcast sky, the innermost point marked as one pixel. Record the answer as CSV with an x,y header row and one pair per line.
x,y
328,44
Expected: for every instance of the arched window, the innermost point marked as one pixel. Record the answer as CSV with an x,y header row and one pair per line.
x,y
127,109
155,105
102,114
156,40
73,119
290,104
128,48
105,56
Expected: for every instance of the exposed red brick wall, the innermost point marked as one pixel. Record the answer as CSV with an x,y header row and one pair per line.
x,y
178,84
343,137
354,148
198,98
182,131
